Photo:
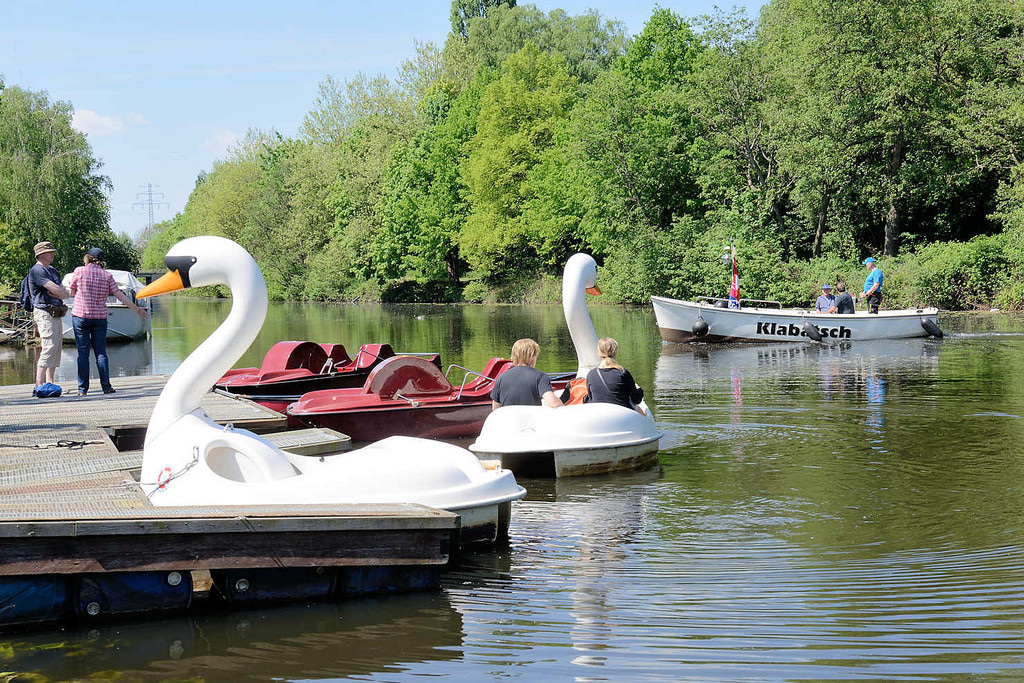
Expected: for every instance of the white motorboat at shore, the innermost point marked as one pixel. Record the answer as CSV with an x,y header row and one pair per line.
x,y
573,440
704,321
123,324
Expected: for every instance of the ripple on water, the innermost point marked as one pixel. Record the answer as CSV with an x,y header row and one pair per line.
x,y
641,582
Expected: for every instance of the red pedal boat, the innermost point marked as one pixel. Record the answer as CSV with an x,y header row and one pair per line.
x,y
293,368
409,396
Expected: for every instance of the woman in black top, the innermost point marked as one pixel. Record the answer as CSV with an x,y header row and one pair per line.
x,y
609,382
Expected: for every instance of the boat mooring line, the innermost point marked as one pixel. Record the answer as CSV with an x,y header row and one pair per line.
x,y
62,443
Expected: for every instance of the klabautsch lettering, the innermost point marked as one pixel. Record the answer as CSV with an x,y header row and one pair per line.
x,y
791,330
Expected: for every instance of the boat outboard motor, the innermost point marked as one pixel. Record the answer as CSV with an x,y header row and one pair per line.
x,y
700,328
931,328
811,331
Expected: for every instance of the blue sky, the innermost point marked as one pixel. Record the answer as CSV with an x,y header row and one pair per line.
x,y
163,89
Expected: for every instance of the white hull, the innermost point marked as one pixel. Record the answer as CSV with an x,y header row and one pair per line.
x,y
676,320
123,324
578,462
593,438
395,470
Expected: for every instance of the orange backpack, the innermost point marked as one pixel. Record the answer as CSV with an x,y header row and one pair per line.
x,y
577,391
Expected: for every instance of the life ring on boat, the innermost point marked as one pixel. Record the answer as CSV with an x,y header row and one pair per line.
x,y
165,476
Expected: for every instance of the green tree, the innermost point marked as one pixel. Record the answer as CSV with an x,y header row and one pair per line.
x,y
882,84
736,151
50,185
464,10
519,113
621,172
588,44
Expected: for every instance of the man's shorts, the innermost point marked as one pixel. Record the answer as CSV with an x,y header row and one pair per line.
x,y
50,331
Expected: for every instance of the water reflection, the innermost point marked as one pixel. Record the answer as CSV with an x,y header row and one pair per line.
x,y
356,638
562,590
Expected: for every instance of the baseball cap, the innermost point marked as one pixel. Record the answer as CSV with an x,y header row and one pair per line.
x,y
43,247
826,286
96,252
868,260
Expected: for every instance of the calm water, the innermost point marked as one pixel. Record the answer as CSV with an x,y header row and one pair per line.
x,y
843,512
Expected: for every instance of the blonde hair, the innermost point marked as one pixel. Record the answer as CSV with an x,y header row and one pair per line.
x,y
524,351
608,348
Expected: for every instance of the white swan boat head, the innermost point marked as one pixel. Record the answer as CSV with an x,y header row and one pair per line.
x,y
592,438
190,460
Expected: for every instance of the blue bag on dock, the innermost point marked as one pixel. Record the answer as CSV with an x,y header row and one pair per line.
x,y
48,390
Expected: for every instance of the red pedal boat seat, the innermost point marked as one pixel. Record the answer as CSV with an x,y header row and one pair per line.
x,y
408,376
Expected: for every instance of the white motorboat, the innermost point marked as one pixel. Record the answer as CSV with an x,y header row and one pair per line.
x,y
190,460
123,324
705,320
592,438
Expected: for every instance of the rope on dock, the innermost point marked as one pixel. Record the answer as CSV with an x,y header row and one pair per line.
x,y
61,443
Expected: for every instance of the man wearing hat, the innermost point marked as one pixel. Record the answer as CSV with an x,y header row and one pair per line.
x,y
826,300
90,285
872,286
47,310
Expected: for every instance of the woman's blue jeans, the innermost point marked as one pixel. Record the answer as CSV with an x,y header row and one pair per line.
x,y
91,332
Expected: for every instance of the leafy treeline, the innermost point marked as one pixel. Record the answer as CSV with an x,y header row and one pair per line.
x,y
50,189
823,132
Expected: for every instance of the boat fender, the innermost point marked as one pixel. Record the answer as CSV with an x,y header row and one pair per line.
x,y
700,328
931,328
721,303
811,331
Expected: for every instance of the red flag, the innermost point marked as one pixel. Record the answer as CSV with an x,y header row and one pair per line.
x,y
734,291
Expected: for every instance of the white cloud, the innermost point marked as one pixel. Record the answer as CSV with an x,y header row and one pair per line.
x,y
220,140
94,123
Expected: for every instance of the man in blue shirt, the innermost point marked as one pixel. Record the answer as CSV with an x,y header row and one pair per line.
x,y
47,297
826,300
872,286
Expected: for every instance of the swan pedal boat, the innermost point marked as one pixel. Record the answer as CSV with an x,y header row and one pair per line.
x,y
409,396
123,324
704,321
188,460
572,440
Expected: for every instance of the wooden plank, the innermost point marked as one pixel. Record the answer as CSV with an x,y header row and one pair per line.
x,y
183,552
313,441
230,519
130,407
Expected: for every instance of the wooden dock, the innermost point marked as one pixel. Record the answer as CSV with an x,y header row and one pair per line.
x,y
70,503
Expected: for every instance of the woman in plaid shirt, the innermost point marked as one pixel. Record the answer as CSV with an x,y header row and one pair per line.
x,y
90,285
